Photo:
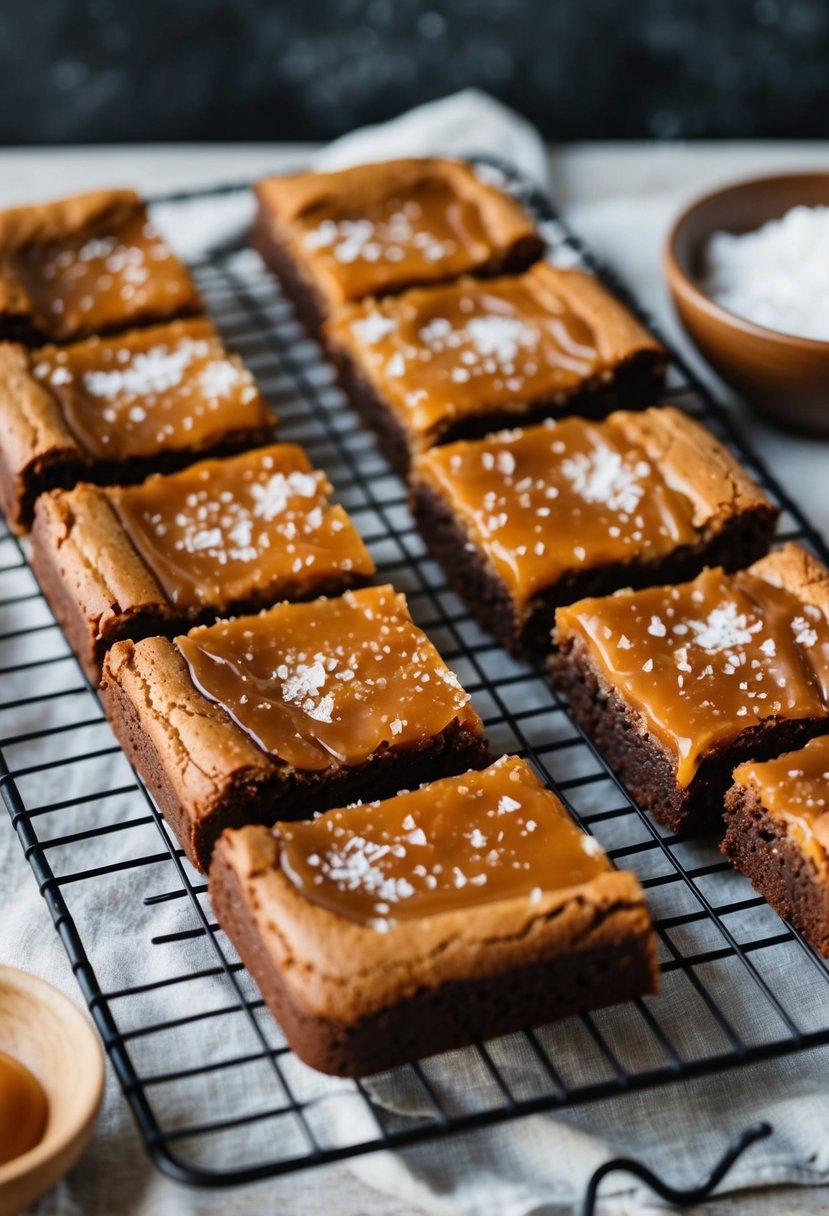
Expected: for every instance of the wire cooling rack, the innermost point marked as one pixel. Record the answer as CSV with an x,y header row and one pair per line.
x,y
736,981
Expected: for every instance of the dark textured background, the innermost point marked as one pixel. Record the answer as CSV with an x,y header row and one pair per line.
x,y
113,70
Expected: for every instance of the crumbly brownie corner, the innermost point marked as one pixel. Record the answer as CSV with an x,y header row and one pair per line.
x,y
759,847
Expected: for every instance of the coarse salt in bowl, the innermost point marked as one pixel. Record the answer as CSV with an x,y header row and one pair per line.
x,y
747,267
777,275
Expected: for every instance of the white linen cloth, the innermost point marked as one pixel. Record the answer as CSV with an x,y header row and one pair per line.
x,y
532,1167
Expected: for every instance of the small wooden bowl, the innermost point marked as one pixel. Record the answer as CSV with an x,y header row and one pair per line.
x,y
784,377
42,1029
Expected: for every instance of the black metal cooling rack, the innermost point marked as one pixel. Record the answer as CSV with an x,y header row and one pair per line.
x,y
218,1096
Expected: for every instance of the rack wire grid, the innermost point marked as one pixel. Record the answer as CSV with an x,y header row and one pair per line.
x,y
737,972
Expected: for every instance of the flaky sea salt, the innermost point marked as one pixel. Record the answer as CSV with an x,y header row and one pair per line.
x,y
776,276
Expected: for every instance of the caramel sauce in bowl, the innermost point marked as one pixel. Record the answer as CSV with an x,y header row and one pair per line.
x,y
61,1085
24,1110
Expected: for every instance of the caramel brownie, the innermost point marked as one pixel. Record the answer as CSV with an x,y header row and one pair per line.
x,y
378,229
221,537
116,409
87,265
462,360
287,713
777,834
463,910
677,685
527,520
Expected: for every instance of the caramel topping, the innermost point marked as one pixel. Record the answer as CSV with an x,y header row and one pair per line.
x,y
223,529
442,353
151,390
103,277
559,497
462,841
795,789
427,233
23,1109
328,682
708,659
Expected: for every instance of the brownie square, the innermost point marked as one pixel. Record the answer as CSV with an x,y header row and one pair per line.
x,y
375,230
466,909
461,360
221,537
116,409
527,520
86,265
291,712
777,834
677,685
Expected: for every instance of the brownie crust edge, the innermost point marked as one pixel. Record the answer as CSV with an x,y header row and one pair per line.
x,y
633,384
225,780
759,847
431,1020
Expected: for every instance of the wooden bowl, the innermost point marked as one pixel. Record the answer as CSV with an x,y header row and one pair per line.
x,y
42,1029
784,377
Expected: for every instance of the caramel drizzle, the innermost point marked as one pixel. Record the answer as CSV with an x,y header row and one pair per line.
x,y
704,661
430,233
457,843
151,390
330,682
223,530
559,497
446,352
96,279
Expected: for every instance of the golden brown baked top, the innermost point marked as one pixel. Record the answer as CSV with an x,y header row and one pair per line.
x,y
441,353
88,264
794,788
453,844
151,390
574,495
329,682
222,529
705,660
378,228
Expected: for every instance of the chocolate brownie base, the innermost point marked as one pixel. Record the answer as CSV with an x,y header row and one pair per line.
x,y
634,385
310,304
308,301
25,331
438,1019
645,764
59,470
758,846
272,791
28,334
745,538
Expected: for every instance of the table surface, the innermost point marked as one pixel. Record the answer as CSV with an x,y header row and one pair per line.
x,y
604,189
